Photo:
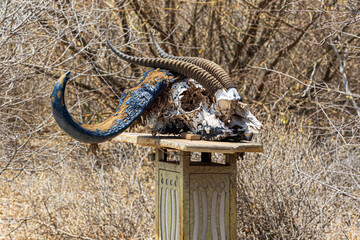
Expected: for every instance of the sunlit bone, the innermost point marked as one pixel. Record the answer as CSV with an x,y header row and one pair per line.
x,y
189,109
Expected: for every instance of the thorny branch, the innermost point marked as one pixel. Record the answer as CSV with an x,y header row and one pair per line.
x,y
343,74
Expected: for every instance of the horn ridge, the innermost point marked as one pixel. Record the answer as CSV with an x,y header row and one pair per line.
x,y
161,52
187,69
211,67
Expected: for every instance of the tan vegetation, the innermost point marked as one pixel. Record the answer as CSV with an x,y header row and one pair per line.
x,y
296,63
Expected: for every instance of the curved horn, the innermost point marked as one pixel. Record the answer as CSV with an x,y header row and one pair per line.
x,y
205,64
132,104
189,70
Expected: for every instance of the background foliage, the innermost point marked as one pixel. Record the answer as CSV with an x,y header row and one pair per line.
x,y
296,63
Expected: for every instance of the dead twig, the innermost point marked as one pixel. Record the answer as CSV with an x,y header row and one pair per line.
x,y
343,74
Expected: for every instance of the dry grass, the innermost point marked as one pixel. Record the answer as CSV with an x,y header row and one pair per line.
x,y
84,197
298,189
294,190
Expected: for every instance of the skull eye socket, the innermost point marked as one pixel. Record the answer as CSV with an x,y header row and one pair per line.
x,y
193,98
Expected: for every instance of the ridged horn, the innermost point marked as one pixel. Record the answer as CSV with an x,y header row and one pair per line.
x,y
214,69
211,84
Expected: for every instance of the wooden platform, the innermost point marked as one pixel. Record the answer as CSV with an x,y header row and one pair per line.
x,y
172,142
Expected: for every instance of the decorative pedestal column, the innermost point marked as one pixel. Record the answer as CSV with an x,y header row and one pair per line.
x,y
194,199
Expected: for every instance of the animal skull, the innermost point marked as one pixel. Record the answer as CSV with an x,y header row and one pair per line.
x,y
189,109
208,105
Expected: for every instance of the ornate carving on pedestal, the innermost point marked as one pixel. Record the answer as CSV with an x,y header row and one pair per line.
x,y
209,206
169,205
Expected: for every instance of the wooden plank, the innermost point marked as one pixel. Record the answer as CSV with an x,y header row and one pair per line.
x,y
165,141
190,136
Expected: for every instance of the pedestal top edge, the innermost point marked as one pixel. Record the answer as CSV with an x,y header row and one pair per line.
x,y
167,141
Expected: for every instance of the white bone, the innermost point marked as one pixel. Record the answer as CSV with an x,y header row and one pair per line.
x,y
226,117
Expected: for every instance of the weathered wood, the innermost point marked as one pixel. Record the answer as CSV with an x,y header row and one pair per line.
x,y
230,159
165,141
189,136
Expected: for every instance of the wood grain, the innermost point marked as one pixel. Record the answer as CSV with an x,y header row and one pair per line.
x,y
172,142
